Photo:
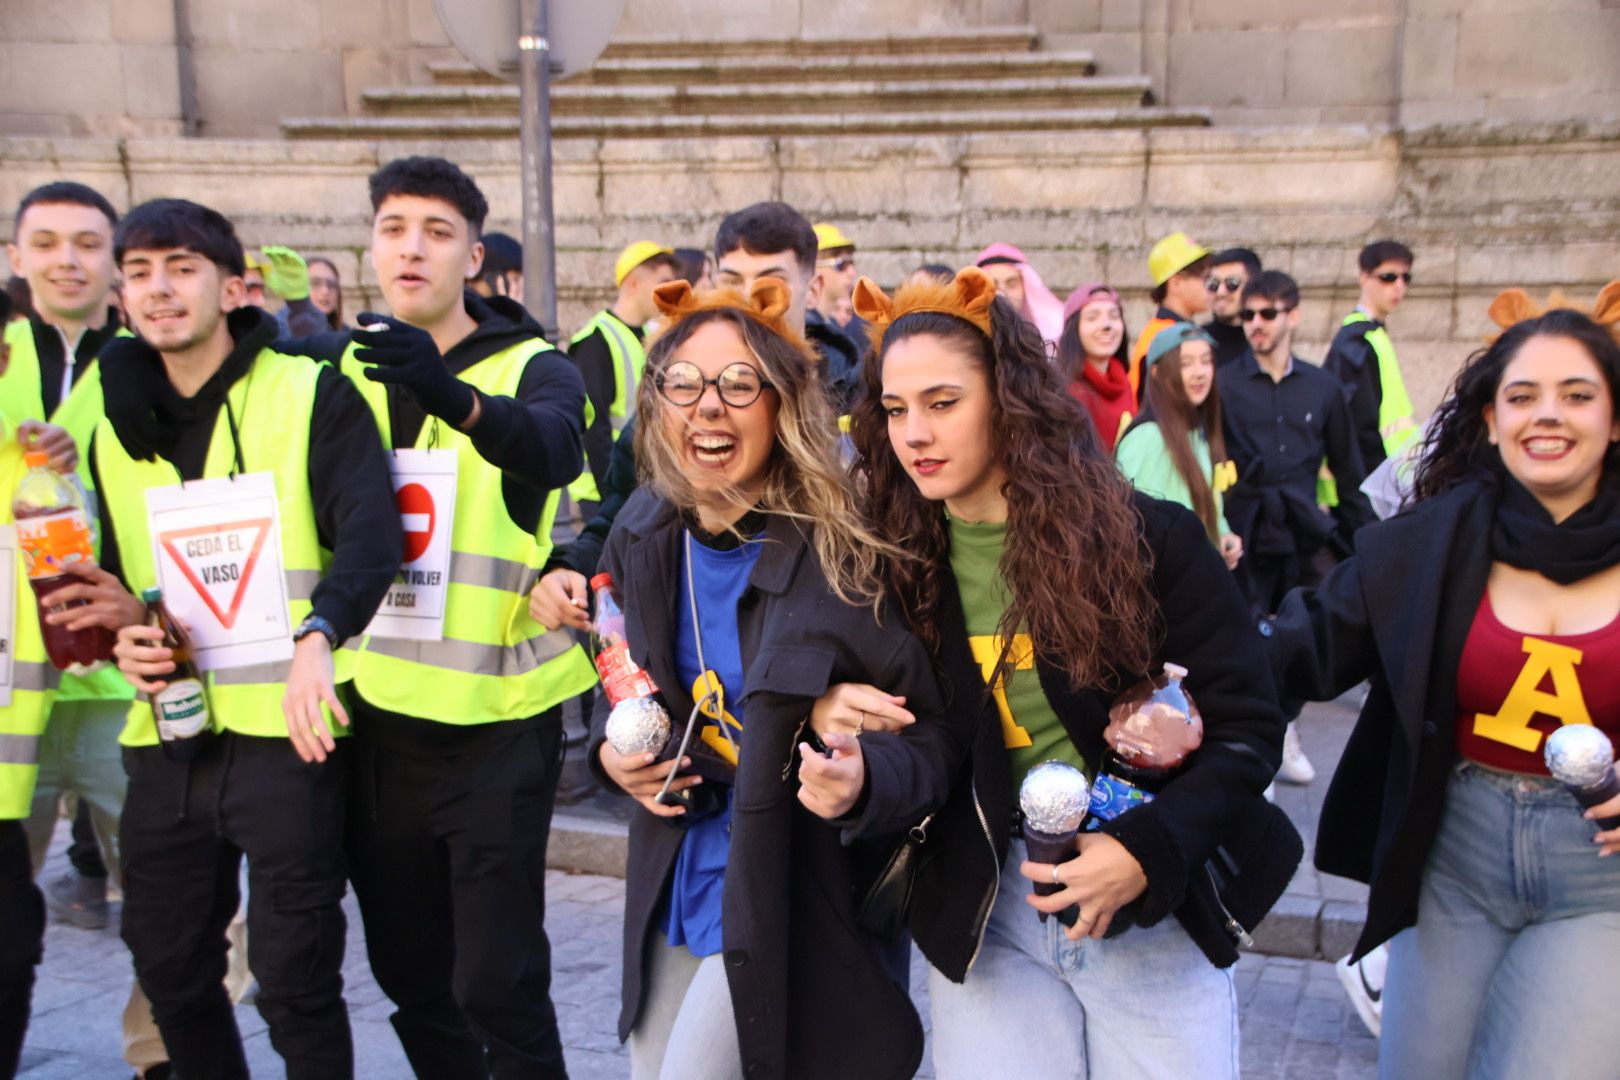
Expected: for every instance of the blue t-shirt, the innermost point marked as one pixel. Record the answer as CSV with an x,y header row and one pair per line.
x,y
720,577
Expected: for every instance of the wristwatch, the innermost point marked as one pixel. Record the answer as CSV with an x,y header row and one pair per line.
x,y
315,624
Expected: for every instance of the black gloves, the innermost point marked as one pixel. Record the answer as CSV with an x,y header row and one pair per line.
x,y
406,356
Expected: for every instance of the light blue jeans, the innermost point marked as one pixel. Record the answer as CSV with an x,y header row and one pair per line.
x,y
1514,964
1143,1005
687,1028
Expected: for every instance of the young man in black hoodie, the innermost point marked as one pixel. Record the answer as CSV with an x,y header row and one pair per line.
x,y
460,735
200,396
771,239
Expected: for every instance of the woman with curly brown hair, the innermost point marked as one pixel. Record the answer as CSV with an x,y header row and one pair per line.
x,y
1045,587
750,584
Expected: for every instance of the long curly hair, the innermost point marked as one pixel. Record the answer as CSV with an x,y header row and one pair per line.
x,y
1177,417
1457,447
803,478
1075,562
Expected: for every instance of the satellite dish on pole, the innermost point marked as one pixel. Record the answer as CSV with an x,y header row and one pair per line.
x,y
487,32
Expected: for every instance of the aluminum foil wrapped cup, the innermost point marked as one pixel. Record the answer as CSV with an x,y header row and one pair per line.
x,y
1579,755
1054,798
638,725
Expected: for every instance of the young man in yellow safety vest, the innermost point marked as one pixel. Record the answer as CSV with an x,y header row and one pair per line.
x,y
457,717
201,411
64,249
1178,267
33,683
1363,357
608,353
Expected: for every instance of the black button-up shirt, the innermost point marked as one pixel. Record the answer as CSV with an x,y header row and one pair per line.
x,y
1279,432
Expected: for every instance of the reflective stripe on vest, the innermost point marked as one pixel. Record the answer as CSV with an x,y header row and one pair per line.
x,y
34,678
22,398
629,358
273,404
495,662
1396,425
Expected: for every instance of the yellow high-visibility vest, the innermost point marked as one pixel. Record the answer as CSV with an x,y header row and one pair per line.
x,y
495,662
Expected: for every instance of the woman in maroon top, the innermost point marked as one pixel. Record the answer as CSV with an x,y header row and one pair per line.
x,y
1486,615
1092,355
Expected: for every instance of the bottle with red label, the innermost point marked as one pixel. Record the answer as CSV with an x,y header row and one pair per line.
x,y
53,532
622,677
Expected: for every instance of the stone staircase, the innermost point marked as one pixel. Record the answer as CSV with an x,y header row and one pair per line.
x,y
929,83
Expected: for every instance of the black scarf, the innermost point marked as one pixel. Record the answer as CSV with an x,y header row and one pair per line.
x,y
147,412
1524,534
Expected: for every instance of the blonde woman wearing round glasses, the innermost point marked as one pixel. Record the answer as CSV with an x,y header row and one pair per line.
x,y
750,585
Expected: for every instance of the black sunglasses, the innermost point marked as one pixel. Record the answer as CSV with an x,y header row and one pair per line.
x,y
1265,314
739,385
1233,284
1390,277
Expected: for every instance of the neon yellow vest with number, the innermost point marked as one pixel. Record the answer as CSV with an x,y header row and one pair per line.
x,y
33,678
1395,423
629,357
495,662
22,398
272,404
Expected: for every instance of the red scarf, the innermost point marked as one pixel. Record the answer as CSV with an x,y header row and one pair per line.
x,y
1106,397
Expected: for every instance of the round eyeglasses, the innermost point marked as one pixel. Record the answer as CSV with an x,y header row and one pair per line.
x,y
739,384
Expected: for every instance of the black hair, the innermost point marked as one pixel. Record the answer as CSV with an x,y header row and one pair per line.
x,y
938,271
766,228
1380,252
1457,447
1197,268
1250,261
5,307
179,223
431,178
502,254
1273,285
70,192
21,296
1071,355
689,264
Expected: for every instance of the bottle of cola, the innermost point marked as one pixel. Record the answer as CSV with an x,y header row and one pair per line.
x,y
53,531
638,723
180,709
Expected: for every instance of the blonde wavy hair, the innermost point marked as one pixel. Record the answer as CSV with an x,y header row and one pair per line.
x,y
804,479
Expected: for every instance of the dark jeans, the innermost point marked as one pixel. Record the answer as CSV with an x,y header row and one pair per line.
x,y
185,830
85,851
447,849
22,942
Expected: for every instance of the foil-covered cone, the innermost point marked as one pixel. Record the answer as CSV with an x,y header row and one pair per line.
x,y
638,725
1054,798
1579,755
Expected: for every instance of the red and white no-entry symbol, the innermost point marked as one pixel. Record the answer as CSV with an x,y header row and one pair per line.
x,y
419,516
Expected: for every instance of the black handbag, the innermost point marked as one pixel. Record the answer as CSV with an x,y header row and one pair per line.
x,y
883,909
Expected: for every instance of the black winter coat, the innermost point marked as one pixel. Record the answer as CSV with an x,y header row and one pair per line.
x,y
1215,801
1398,613
813,996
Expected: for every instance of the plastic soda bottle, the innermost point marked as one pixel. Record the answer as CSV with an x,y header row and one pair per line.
x,y
622,677
181,707
53,532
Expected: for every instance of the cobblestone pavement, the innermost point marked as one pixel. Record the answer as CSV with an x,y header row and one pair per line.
x,y
1296,1022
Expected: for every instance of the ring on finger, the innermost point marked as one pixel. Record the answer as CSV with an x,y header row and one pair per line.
x,y
1055,879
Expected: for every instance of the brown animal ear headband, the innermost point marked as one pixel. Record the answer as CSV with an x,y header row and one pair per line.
x,y
1513,306
968,297
767,303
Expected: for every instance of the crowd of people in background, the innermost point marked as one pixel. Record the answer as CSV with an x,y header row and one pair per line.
x,y
885,552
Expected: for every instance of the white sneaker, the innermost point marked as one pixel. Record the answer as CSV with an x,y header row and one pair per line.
x,y
1296,767
1363,983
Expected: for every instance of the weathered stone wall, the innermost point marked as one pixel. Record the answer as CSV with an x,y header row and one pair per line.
x,y
1485,206
1298,62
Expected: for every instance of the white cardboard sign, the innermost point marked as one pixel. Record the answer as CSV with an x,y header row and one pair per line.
x,y
217,547
425,489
